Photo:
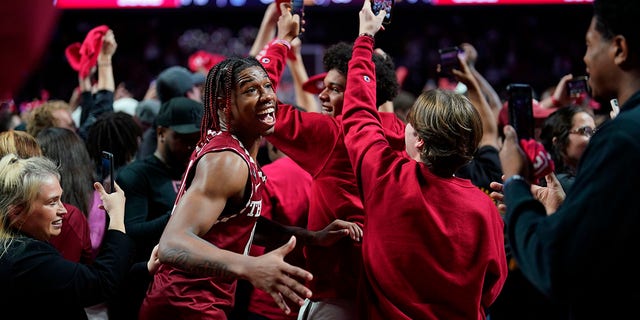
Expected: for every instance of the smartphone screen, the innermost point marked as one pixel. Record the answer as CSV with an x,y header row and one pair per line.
x,y
520,106
107,171
449,60
386,5
577,86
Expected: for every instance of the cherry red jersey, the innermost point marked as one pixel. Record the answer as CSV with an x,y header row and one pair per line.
x,y
175,294
286,201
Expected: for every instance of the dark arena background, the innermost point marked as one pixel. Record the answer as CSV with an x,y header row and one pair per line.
x,y
536,42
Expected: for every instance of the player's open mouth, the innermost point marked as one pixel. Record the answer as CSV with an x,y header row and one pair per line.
x,y
267,116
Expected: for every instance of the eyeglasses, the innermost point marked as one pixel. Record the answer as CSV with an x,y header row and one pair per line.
x,y
585,131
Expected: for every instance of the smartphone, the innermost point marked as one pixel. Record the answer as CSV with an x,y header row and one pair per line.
x,y
107,172
449,60
297,7
520,106
577,86
386,5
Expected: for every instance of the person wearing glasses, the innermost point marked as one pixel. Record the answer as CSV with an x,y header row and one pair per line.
x,y
565,134
577,253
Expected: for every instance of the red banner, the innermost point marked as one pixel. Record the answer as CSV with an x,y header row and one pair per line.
x,y
103,4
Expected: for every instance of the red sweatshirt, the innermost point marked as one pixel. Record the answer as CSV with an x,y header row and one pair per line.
x,y
433,247
285,199
316,143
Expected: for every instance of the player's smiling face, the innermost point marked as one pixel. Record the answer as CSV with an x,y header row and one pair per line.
x,y
254,105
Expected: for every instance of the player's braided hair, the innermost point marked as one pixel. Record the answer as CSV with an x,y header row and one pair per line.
x,y
218,90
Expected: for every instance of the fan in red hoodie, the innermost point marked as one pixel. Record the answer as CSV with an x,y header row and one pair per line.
x,y
433,245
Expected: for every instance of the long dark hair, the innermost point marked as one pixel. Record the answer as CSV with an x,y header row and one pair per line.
x,y
68,151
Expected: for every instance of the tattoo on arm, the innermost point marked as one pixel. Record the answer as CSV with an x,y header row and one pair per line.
x,y
182,260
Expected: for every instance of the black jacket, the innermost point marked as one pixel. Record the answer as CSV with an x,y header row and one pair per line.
x,y
583,255
38,283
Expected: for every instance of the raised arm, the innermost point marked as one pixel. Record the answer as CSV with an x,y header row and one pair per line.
x,y
477,97
273,57
299,74
364,135
105,69
490,94
267,29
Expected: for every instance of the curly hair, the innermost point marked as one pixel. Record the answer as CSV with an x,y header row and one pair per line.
x,y
337,58
116,132
450,127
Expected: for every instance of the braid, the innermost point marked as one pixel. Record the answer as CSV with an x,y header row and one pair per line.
x,y
209,118
228,86
220,84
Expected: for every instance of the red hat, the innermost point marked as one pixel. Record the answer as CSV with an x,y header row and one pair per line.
x,y
203,59
315,84
540,160
82,57
539,113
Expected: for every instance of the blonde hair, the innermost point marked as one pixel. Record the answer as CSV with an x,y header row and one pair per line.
x,y
20,181
42,117
20,143
450,127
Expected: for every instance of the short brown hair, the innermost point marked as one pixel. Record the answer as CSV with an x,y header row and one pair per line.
x,y
450,127
42,117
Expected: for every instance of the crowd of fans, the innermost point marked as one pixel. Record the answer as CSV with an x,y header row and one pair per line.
x,y
380,186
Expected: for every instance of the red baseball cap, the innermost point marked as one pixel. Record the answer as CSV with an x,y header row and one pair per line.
x,y
315,84
203,59
539,113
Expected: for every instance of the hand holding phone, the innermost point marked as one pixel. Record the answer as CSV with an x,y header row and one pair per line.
x,y
107,172
449,60
386,5
297,7
520,107
577,86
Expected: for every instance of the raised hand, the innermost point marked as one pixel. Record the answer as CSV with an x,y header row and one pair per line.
x,y
109,44
512,157
288,24
369,22
114,204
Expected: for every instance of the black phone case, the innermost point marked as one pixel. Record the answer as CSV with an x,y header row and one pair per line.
x,y
520,106
107,171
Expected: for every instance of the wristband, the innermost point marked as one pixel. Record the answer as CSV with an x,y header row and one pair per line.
x,y
554,102
364,34
512,179
283,43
